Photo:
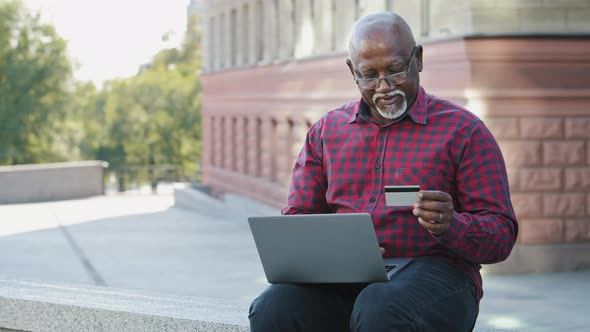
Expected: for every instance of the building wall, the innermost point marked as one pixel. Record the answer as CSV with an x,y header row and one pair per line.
x,y
522,65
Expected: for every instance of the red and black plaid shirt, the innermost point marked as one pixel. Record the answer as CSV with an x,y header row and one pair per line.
x,y
347,159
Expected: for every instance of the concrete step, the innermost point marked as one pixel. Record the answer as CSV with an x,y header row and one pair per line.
x,y
231,207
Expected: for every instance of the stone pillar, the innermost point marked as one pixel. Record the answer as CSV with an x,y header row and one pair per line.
x,y
304,29
234,35
282,151
344,18
217,143
226,38
208,139
371,6
214,43
242,144
236,144
323,26
241,37
445,19
248,42
254,147
227,143
207,48
220,35
257,24
271,32
287,30
268,148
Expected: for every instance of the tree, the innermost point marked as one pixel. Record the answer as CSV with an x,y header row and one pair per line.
x,y
146,121
153,118
34,77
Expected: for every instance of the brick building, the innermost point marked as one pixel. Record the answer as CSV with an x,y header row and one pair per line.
x,y
273,67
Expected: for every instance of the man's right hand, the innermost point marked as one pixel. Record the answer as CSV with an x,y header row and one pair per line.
x,y
382,250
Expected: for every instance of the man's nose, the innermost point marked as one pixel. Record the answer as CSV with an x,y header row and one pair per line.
x,y
383,85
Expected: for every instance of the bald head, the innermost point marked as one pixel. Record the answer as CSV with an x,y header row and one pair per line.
x,y
380,25
385,63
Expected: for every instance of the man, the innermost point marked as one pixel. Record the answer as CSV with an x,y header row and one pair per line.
x,y
398,135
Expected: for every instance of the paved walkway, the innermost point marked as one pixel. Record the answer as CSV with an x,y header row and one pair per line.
x,y
141,241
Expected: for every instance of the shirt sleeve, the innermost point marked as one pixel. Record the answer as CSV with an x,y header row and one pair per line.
x,y
483,228
307,191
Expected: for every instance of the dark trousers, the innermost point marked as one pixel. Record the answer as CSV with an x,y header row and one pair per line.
x,y
427,295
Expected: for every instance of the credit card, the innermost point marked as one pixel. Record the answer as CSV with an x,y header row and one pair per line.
x,y
401,195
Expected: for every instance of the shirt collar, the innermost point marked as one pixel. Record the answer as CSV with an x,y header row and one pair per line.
x,y
418,111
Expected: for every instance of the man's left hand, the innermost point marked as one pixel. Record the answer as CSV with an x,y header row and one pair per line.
x,y
434,210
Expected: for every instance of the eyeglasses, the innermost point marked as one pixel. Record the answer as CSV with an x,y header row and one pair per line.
x,y
393,79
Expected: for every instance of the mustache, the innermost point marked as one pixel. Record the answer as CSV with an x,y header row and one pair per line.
x,y
388,94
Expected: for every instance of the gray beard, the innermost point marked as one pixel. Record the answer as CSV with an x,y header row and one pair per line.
x,y
391,112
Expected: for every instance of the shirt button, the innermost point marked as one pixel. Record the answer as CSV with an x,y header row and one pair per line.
x,y
372,199
382,128
378,166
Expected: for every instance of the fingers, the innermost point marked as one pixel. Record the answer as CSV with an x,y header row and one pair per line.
x,y
436,206
430,216
436,229
433,206
434,210
382,250
434,195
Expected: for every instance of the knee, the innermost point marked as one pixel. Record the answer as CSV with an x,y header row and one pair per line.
x,y
271,309
374,310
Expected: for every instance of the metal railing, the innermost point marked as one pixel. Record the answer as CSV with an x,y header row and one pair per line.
x,y
138,175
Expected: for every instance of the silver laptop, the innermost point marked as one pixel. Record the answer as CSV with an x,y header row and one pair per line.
x,y
321,248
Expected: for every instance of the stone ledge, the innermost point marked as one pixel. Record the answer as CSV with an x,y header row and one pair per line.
x,y
544,258
32,306
51,182
63,165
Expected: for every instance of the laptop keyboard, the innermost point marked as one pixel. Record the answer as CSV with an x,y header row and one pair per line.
x,y
390,267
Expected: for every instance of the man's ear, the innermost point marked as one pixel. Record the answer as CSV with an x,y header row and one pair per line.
x,y
349,63
419,57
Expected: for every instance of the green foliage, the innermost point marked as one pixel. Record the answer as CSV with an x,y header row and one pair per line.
x,y
34,74
153,118
145,121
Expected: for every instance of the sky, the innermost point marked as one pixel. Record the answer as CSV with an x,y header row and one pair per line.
x,y
111,38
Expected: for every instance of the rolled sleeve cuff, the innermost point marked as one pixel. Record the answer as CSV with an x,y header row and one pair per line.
x,y
456,232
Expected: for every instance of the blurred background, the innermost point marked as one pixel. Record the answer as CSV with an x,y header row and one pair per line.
x,y
136,137
110,81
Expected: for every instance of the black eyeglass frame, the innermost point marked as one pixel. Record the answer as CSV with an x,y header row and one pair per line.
x,y
365,83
